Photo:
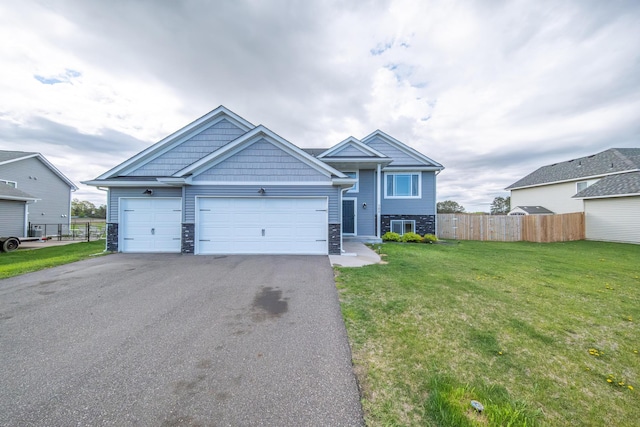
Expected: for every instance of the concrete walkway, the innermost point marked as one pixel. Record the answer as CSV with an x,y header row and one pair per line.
x,y
356,255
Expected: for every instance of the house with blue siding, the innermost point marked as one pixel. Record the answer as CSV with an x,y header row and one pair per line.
x,y
222,185
32,191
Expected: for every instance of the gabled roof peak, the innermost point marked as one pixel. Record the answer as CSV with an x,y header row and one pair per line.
x,y
353,142
218,114
15,156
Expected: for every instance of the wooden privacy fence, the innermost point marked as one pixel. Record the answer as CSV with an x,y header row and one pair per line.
x,y
503,228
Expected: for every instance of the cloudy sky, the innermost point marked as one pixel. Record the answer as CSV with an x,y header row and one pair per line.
x,y
491,89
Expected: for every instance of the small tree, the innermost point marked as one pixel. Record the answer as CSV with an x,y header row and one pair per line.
x,y
449,206
501,205
86,209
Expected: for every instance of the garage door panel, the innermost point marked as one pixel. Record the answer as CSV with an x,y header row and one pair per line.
x,y
235,225
151,225
170,217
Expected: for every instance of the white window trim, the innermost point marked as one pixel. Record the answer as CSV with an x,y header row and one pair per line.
x,y
403,221
387,196
9,182
357,185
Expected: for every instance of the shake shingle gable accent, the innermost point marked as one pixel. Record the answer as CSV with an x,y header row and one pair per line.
x,y
388,145
351,148
253,136
175,139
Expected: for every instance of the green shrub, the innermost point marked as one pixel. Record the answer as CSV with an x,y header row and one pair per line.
x,y
411,238
430,238
390,236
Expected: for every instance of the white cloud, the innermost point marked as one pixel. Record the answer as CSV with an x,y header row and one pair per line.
x,y
490,89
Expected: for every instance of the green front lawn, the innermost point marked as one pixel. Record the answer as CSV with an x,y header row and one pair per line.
x,y
540,334
25,261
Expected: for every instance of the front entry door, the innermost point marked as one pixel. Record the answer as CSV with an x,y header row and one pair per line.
x,y
348,216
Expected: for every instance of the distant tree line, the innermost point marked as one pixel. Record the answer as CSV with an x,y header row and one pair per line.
x,y
86,209
499,206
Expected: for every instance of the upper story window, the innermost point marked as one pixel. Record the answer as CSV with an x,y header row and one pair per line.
x,y
581,185
403,185
9,183
354,189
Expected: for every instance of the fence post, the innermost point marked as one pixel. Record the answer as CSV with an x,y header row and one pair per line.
x,y
88,230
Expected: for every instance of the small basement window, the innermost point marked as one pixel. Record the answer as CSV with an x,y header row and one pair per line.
x,y
403,226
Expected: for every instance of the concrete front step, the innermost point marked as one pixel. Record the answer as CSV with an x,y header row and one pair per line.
x,y
361,239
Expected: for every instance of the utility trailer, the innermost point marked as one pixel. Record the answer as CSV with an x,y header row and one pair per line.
x,y
9,244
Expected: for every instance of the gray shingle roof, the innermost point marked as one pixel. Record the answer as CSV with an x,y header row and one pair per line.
x,y
609,161
11,155
315,152
613,185
7,192
532,210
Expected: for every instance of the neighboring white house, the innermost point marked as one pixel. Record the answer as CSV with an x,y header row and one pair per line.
x,y
605,186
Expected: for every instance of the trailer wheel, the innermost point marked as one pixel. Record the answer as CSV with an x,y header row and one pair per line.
x,y
10,244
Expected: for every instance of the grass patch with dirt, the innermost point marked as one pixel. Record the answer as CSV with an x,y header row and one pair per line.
x,y
540,334
25,261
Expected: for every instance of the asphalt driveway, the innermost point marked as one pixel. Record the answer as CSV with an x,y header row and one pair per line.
x,y
172,340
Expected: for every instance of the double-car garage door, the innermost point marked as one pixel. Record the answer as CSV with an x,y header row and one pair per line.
x,y
262,225
228,225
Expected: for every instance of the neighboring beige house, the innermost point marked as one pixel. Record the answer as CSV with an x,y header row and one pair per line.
x,y
529,210
605,186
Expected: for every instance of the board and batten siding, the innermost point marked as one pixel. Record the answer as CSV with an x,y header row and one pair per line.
x,y
191,150
422,206
400,158
12,218
555,197
613,220
261,161
366,194
35,178
115,193
333,193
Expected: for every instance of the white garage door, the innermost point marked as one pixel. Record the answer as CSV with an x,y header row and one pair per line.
x,y
262,225
150,224
613,220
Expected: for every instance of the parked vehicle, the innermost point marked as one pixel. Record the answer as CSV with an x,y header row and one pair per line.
x,y
10,244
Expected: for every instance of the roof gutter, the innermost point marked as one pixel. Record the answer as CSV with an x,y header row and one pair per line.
x,y
101,183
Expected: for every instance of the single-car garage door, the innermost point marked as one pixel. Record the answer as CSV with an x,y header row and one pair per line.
x,y
264,225
150,224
